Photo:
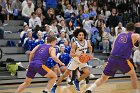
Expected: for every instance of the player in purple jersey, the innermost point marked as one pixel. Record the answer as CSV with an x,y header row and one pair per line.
x,y
37,59
119,59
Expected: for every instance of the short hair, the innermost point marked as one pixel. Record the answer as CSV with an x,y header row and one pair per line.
x,y
50,39
130,27
77,31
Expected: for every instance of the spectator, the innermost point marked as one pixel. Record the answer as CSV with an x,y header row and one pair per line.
x,y
54,28
9,10
112,37
34,21
69,9
26,11
39,14
105,40
23,34
46,31
16,7
49,16
40,39
120,27
136,60
29,43
2,11
113,18
25,3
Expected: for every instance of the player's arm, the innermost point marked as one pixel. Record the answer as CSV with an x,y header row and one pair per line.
x,y
135,38
52,52
32,53
90,50
90,47
72,52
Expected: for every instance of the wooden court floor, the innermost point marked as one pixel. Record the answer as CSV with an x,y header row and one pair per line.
x,y
113,86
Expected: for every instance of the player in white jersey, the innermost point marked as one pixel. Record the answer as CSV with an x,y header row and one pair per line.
x,y
78,47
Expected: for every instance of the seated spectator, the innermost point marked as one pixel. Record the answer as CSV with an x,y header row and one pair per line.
x,y
25,3
49,16
16,7
119,31
2,11
9,10
54,28
39,14
121,27
62,37
65,58
69,9
23,34
34,21
46,31
105,40
29,43
26,11
112,37
40,39
67,46
136,60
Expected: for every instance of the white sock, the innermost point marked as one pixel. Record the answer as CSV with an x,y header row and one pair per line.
x,y
47,90
137,91
93,86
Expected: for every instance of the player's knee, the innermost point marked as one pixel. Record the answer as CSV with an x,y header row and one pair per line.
x,y
27,83
54,76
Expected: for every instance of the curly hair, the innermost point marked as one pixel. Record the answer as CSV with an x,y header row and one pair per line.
x,y
77,31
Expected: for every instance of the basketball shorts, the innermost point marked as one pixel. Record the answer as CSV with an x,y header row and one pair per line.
x,y
37,67
115,64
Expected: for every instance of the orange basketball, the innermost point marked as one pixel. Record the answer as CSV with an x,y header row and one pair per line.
x,y
84,58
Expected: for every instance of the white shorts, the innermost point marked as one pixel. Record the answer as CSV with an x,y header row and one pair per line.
x,y
73,65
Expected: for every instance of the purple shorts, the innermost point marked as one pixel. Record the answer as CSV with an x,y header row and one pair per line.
x,y
115,64
37,67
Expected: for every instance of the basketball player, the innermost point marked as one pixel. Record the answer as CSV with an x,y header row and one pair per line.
x,y
78,47
119,58
37,59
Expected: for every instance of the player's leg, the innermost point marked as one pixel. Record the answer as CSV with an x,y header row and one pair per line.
x,y
85,73
72,66
48,73
56,69
52,79
25,84
134,79
97,83
29,76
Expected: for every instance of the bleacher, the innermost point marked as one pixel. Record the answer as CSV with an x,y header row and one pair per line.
x,y
18,54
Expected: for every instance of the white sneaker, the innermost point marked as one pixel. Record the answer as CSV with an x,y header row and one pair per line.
x,y
91,76
68,79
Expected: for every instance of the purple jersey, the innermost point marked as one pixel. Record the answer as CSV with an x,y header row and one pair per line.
x,y
123,46
42,53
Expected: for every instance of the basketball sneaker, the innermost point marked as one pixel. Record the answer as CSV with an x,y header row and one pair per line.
x,y
44,91
76,83
53,89
88,91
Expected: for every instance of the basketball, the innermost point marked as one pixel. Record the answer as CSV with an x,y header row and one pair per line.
x,y
84,58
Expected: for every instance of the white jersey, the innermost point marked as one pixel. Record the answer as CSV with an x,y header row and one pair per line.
x,y
81,48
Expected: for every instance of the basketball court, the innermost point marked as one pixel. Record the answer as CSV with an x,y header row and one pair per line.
x,y
120,85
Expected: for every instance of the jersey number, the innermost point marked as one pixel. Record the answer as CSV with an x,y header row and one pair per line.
x,y
123,39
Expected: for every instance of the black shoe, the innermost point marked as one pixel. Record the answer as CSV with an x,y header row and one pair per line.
x,y
88,91
44,91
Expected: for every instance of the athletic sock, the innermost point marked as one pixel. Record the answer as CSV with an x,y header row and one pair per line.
x,y
92,87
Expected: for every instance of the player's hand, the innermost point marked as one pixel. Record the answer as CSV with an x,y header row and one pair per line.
x,y
62,64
